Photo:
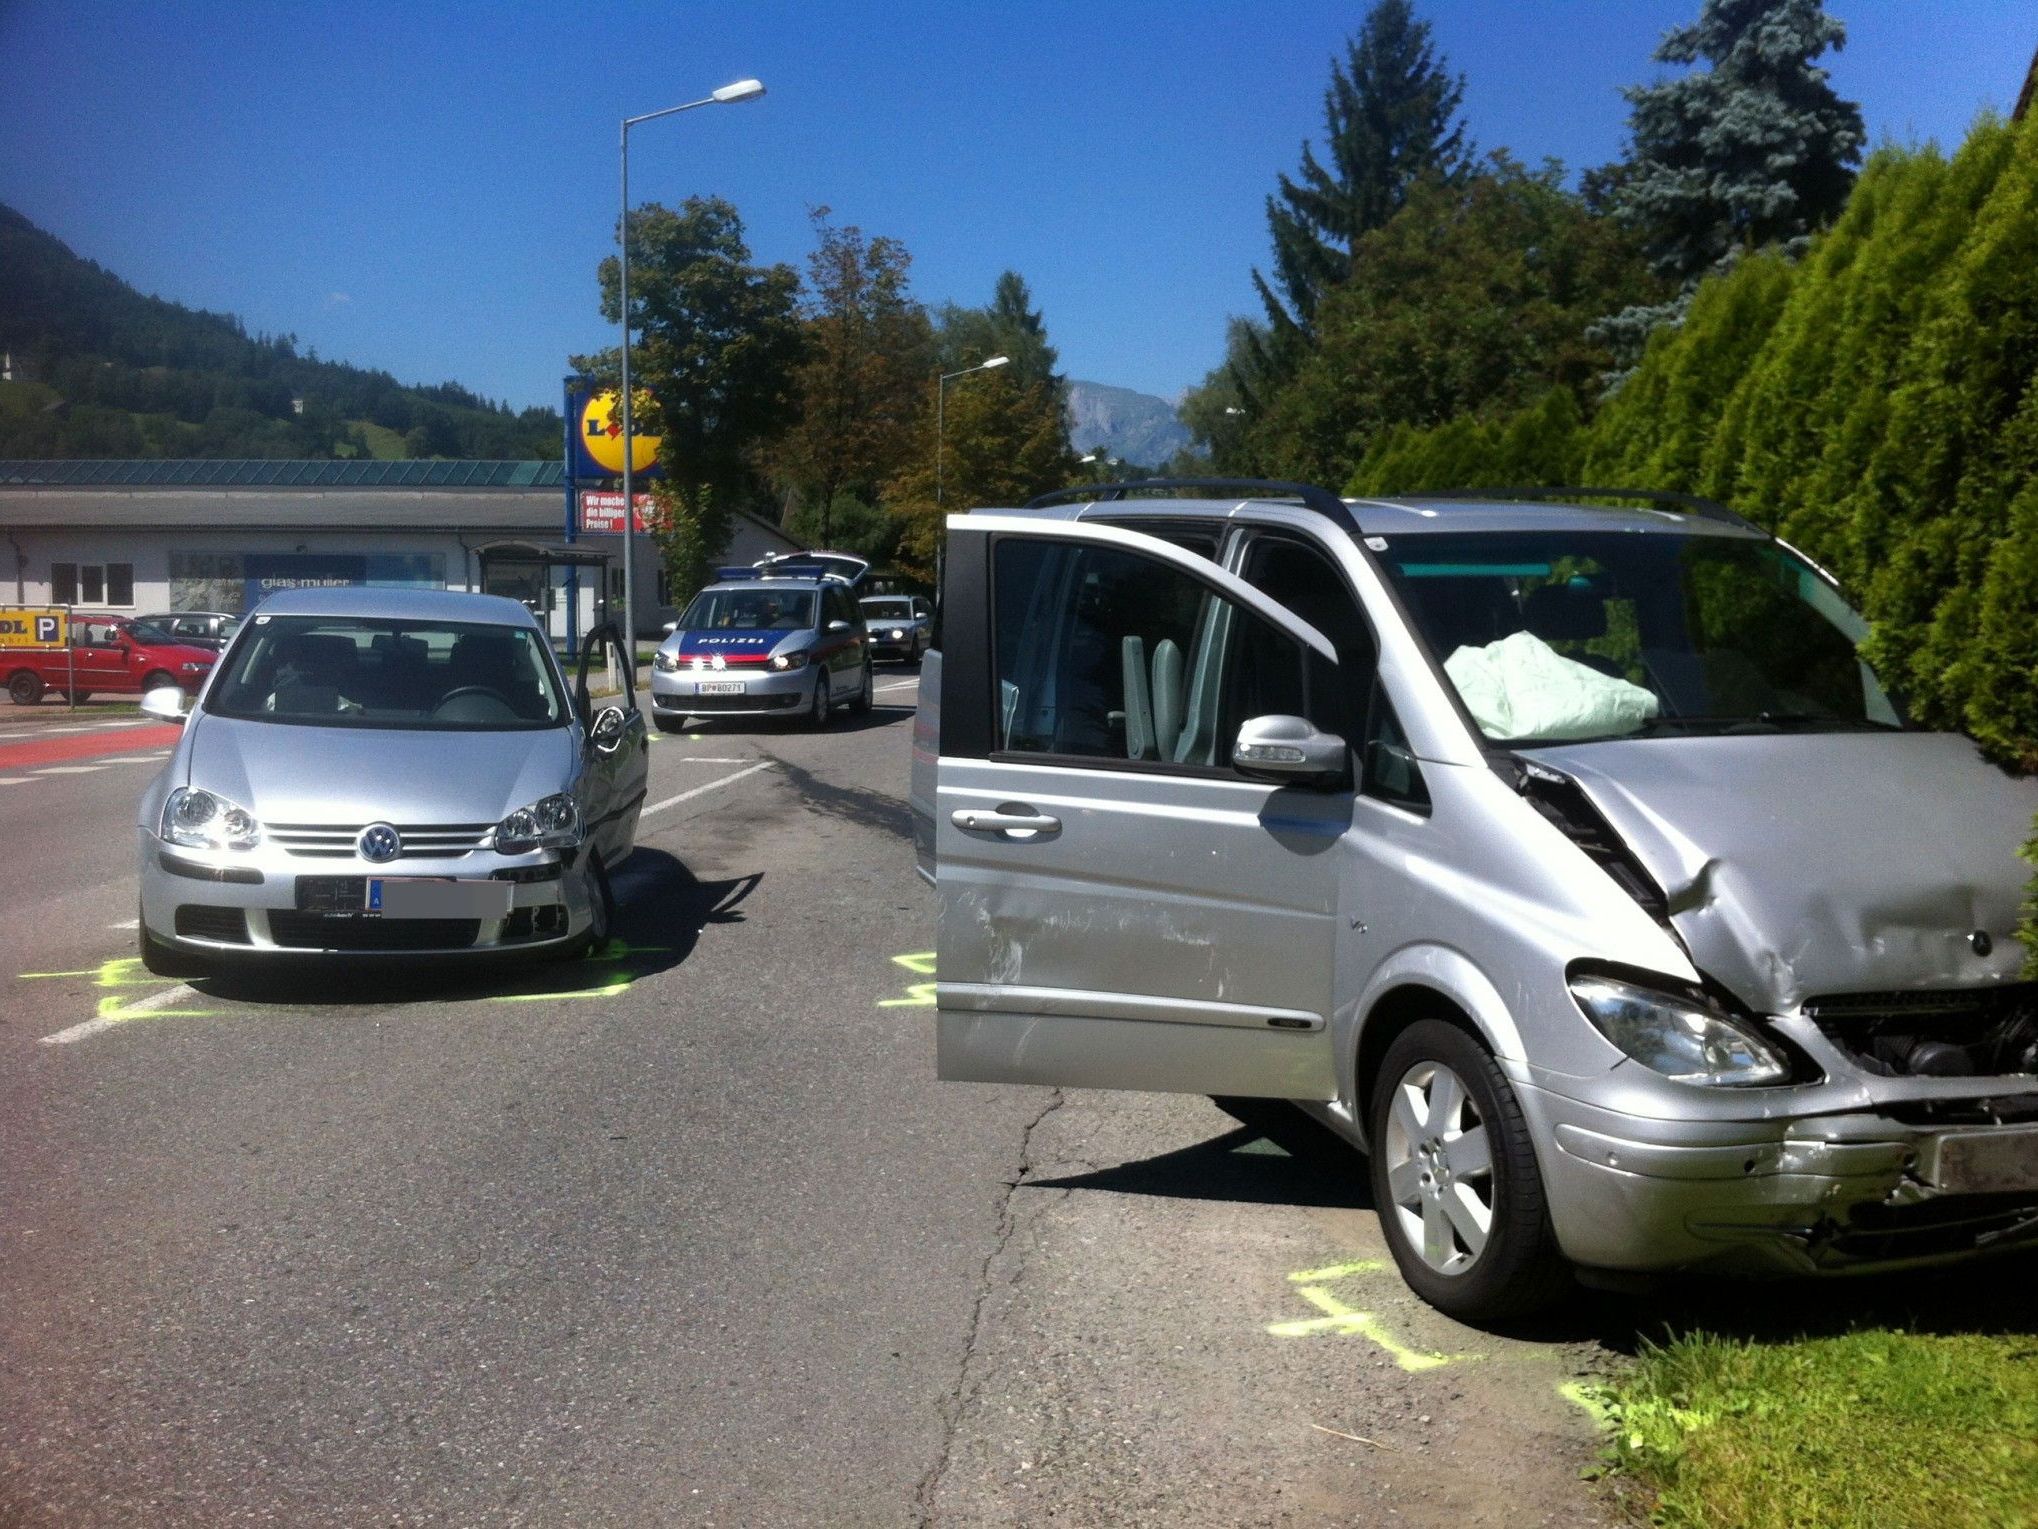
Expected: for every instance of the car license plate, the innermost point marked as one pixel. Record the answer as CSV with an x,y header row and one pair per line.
x,y
433,897
720,687
1985,1162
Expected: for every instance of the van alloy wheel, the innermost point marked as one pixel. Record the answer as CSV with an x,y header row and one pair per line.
x,y
1439,1168
818,717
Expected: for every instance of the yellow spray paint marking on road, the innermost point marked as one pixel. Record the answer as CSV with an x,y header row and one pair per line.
x,y
615,950
1590,1397
133,986
919,995
1344,1321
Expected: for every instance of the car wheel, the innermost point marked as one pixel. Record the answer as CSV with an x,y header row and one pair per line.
x,y
818,716
162,960
1455,1179
24,687
601,927
864,696
155,680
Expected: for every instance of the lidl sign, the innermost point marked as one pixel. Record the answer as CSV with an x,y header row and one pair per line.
x,y
601,435
34,629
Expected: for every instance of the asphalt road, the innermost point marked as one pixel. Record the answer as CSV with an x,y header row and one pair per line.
x,y
687,1234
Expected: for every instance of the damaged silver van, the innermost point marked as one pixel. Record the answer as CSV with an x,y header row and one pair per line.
x,y
1573,861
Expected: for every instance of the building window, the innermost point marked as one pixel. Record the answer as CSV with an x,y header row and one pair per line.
x,y
91,583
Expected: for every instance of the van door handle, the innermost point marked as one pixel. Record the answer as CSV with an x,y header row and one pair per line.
x,y
978,820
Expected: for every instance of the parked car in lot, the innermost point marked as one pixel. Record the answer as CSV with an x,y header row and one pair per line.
x,y
202,629
783,639
388,771
110,655
1574,862
901,626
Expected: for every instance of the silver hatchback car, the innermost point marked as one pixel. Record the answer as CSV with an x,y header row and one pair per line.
x,y
1572,861
387,771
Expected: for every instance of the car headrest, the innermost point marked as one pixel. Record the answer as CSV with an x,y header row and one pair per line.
x,y
1566,612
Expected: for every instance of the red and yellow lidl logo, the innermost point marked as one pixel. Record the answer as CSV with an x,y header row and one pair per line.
x,y
601,432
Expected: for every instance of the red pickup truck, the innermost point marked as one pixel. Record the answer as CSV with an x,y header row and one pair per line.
x,y
110,655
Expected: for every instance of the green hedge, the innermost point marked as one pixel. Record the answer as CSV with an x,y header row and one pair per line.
x,y
1875,403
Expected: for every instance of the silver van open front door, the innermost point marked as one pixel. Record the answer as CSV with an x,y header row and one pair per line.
x,y
1120,906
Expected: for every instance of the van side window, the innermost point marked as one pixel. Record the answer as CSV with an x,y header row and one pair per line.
x,y
1298,576
1106,655
1389,770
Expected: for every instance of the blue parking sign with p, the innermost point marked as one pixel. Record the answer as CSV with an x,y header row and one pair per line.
x,y
49,630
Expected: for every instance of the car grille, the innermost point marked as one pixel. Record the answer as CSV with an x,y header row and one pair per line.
x,y
225,926
316,931
702,705
437,841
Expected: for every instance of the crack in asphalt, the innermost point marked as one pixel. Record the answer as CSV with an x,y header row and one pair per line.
x,y
958,1400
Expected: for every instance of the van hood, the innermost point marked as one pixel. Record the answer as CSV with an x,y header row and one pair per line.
x,y
1799,865
346,775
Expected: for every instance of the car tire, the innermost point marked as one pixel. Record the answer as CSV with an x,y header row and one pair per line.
x,y
161,960
823,707
156,679
1432,1199
602,927
24,687
866,694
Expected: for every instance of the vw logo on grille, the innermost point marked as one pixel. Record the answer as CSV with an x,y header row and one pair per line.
x,y
379,842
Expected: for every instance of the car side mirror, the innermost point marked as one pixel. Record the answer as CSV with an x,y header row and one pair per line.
x,y
838,625
1290,751
165,701
606,732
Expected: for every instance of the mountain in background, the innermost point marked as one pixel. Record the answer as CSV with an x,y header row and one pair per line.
x,y
1137,427
100,370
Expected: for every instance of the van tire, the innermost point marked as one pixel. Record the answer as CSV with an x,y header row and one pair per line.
x,y
824,699
1519,1270
865,694
24,687
602,928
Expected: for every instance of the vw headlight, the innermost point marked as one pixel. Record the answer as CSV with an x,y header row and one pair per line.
x,y
200,820
783,661
898,633
664,662
1679,1037
553,823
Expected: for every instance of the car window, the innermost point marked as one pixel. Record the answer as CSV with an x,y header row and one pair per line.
x,y
1107,655
1301,578
345,671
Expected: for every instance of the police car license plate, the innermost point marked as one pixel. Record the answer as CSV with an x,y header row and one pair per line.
x,y
435,897
720,687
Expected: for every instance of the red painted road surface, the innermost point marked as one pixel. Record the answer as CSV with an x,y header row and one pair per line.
x,y
115,740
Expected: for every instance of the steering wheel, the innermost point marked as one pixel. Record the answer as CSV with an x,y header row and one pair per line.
x,y
465,690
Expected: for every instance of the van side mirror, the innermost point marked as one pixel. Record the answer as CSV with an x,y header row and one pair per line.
x,y
166,702
1290,751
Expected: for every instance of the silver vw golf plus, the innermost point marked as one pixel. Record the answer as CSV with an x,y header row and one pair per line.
x,y
1574,862
387,771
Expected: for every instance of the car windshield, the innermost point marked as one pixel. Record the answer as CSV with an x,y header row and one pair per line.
x,y
888,610
1561,636
355,671
785,610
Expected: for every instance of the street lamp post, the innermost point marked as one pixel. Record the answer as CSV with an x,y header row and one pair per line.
x,y
741,90
941,413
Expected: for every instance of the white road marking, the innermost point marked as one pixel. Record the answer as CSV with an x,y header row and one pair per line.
x,y
132,759
126,923
92,1027
687,796
714,759
899,685
69,769
13,780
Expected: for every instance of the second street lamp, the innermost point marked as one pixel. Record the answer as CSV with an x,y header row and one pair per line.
x,y
941,414
740,90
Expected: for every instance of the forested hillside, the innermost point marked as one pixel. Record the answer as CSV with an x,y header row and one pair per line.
x,y
103,371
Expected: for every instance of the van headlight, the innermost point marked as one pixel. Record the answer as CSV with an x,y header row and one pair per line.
x,y
1678,1037
664,662
553,823
783,661
202,820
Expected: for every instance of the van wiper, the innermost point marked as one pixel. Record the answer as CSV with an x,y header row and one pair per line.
x,y
1775,719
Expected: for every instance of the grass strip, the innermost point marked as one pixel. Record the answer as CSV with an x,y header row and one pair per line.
x,y
1874,1427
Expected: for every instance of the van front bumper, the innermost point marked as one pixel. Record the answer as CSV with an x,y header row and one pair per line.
x,y
1800,1194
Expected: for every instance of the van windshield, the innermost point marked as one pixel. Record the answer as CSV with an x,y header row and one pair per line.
x,y
1560,636
347,671
888,610
749,610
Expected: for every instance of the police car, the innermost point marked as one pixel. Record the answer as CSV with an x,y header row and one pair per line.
x,y
779,637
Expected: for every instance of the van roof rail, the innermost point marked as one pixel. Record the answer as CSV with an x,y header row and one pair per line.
x,y
1313,496
1693,504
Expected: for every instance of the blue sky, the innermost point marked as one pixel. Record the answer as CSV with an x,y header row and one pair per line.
x,y
426,187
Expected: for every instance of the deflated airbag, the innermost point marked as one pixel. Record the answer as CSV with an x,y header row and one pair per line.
x,y
1521,687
